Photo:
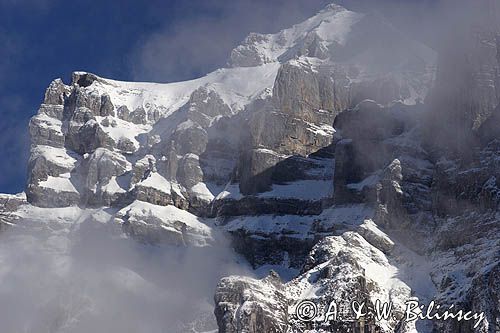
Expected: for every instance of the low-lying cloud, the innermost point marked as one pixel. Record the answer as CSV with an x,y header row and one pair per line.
x,y
89,278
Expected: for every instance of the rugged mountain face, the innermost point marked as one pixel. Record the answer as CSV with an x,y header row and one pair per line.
x,y
311,151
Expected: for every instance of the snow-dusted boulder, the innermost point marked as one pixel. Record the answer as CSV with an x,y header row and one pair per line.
x,y
167,225
249,305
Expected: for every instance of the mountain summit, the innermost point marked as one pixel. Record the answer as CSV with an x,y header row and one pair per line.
x,y
308,151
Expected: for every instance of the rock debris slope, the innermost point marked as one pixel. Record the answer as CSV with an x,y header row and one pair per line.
x,y
310,150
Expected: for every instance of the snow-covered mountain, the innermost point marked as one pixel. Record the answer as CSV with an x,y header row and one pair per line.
x,y
308,151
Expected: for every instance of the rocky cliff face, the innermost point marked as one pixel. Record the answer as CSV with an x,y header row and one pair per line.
x,y
310,150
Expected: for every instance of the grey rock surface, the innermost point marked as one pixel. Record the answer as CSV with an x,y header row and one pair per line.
x,y
312,163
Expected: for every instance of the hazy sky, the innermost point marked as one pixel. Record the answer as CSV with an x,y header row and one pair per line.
x,y
168,40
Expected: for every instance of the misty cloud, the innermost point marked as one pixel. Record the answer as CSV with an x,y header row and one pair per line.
x,y
196,44
86,277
